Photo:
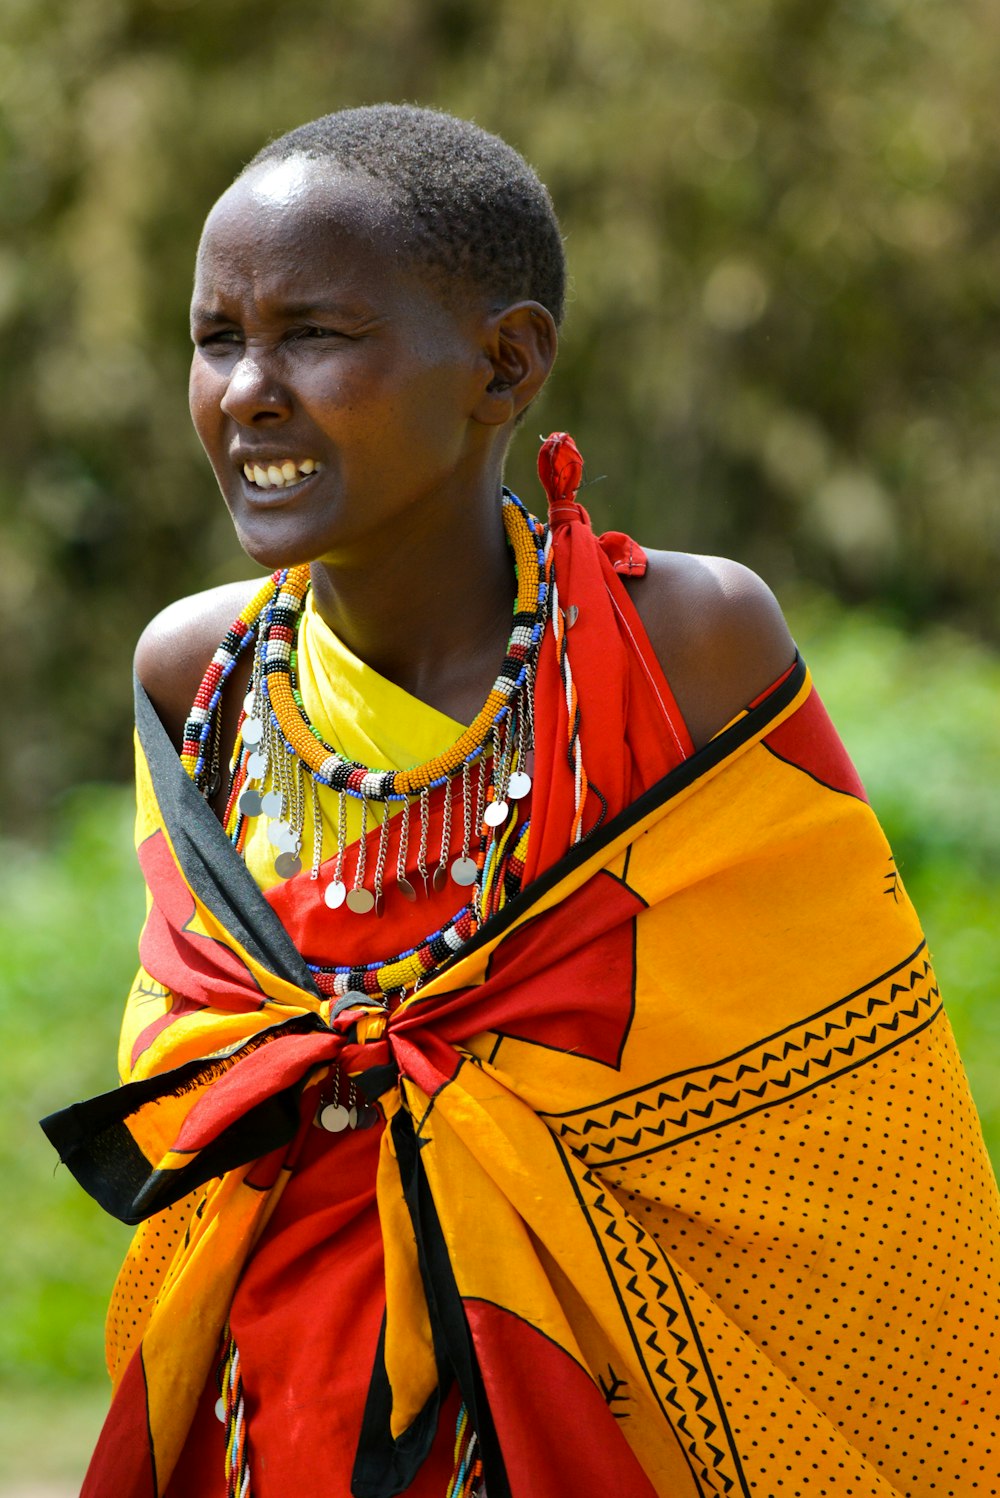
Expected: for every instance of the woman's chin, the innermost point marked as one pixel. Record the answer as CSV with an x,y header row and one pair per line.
x,y
272,552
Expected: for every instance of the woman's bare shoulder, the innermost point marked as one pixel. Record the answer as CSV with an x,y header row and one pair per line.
x,y
718,632
176,646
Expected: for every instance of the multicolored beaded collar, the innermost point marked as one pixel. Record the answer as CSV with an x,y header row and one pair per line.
x,y
279,758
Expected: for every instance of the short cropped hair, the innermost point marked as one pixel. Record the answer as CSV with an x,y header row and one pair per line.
x,y
470,206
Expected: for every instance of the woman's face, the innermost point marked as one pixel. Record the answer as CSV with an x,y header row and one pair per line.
x,y
331,386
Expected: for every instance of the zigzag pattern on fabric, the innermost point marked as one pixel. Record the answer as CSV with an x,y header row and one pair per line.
x,y
651,1298
909,993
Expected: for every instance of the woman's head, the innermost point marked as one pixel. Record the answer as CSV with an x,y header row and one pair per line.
x,y
374,307
468,209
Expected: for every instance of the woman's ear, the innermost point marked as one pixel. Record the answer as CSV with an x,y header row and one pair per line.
x,y
520,346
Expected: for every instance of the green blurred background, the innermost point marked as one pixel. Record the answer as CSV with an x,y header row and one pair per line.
x,y
782,344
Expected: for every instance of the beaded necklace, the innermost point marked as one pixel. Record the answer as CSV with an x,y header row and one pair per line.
x,y
280,757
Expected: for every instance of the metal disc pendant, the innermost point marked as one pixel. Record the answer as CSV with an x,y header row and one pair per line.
x,y
349,1000
439,878
250,803
334,1118
280,835
464,871
367,1116
256,765
253,732
249,703
406,890
335,894
272,803
571,615
360,900
518,785
220,1411
495,815
287,865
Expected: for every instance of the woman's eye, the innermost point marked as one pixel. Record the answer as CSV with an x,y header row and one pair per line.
x,y
314,332
220,338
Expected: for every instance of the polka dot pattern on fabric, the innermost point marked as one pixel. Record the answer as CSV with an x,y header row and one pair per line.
x,y
828,1324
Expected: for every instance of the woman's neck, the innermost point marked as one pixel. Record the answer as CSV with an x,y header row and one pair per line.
x,y
432,610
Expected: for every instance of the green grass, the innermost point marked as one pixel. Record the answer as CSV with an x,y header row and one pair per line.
x,y
920,717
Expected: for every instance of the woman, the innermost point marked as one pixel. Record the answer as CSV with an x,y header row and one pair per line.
x,y
535,1077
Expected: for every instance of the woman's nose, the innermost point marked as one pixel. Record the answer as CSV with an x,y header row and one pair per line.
x,y
254,394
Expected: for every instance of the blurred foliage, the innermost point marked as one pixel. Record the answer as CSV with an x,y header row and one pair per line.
x,y
69,920
782,226
69,915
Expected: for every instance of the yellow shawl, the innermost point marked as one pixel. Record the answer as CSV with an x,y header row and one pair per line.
x,y
681,1176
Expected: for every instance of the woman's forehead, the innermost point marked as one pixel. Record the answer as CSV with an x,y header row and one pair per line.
x,y
309,196
281,183
300,219
303,231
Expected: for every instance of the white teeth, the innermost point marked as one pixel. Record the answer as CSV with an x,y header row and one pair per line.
x,y
280,475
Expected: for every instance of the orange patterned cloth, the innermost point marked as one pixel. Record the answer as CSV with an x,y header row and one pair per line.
x,y
681,1179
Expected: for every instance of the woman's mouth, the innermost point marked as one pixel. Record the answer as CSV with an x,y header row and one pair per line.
x,y
282,473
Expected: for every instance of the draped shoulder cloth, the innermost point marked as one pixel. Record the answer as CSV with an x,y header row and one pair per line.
x,y
681,1179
